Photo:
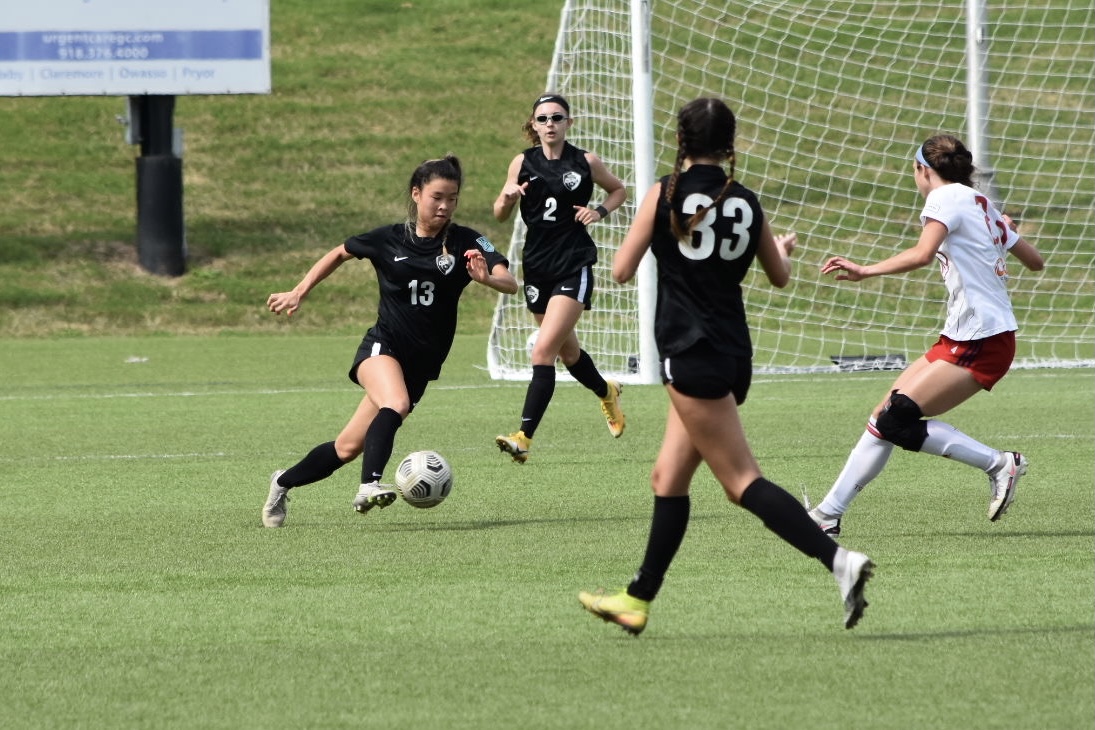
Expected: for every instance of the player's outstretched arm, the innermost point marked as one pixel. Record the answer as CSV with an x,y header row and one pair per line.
x,y
917,257
287,302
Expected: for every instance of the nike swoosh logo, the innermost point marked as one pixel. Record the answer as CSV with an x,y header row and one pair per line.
x,y
534,177
401,258
566,288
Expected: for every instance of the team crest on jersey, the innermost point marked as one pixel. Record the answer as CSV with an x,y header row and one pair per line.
x,y
445,262
485,244
532,293
572,180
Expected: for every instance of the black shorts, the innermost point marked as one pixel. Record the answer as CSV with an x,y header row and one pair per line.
x,y
416,382
701,372
578,285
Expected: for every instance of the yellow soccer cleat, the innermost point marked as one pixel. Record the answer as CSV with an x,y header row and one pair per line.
x,y
610,406
626,611
516,445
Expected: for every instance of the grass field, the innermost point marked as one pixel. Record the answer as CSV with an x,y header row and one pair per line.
x,y
141,417
140,591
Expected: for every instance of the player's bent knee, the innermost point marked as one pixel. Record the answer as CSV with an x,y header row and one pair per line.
x,y
347,451
901,423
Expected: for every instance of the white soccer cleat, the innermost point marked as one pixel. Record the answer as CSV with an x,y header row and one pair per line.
x,y
273,512
373,494
1002,483
829,525
852,570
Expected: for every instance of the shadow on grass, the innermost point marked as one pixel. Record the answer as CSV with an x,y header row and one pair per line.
x,y
986,631
502,523
1000,535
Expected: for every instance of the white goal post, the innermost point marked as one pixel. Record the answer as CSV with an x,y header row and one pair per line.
x,y
832,98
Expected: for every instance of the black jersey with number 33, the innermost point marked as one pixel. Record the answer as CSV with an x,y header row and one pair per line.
x,y
420,288
699,280
556,244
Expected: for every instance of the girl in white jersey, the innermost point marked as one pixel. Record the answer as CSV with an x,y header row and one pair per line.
x,y
969,237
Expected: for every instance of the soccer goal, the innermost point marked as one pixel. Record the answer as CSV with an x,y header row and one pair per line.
x,y
832,99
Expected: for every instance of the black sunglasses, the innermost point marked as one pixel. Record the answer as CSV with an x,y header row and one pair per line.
x,y
543,118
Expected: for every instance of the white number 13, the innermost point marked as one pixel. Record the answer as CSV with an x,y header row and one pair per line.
x,y
736,210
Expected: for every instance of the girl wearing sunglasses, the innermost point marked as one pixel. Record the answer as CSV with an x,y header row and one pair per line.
x,y
554,181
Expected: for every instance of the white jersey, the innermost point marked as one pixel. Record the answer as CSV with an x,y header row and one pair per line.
x,y
972,262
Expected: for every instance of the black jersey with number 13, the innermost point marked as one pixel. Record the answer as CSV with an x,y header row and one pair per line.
x,y
699,279
420,288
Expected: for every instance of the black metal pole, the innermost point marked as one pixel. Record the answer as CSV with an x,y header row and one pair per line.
x,y
161,231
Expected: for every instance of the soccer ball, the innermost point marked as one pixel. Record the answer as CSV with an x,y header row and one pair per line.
x,y
424,479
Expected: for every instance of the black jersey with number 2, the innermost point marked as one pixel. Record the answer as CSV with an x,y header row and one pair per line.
x,y
420,287
699,279
556,244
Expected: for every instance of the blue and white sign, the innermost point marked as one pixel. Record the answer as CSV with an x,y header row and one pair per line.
x,y
135,47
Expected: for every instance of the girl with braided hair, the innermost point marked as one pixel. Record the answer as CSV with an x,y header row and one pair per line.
x,y
422,267
705,228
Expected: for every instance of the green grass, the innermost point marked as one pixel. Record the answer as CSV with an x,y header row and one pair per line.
x,y
139,590
140,418
362,92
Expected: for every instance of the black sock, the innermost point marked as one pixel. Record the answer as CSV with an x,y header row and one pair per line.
x,y
586,373
783,515
667,528
320,463
379,441
537,397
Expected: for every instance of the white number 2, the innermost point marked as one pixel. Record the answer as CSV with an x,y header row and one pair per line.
x,y
549,208
736,210
421,294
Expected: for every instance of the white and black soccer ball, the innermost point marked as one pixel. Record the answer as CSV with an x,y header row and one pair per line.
x,y
424,479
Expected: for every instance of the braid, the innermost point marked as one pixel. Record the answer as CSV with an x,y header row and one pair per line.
x,y
705,129
670,190
699,214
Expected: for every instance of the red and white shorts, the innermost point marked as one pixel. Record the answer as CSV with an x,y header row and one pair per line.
x,y
988,360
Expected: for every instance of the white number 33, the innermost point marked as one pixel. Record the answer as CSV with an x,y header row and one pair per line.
x,y
735,211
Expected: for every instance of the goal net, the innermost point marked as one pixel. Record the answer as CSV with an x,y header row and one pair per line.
x,y
832,99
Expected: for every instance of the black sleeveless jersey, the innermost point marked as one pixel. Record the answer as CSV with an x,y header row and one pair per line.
x,y
699,280
555,245
420,288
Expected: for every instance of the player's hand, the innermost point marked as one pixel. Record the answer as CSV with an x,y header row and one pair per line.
x,y
846,270
476,265
512,192
585,215
1010,223
285,302
787,242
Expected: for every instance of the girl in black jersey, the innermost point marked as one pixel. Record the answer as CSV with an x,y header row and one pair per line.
x,y
554,180
422,267
705,228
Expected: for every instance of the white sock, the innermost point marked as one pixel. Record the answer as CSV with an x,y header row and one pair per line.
x,y
947,441
866,461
